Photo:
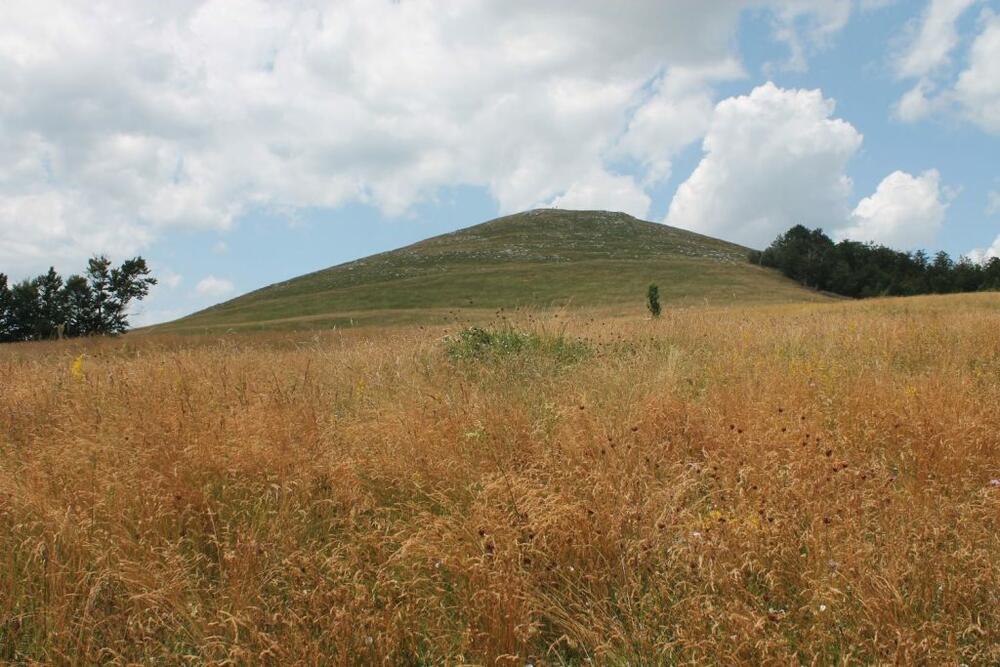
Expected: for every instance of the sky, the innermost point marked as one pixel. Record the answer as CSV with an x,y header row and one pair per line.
x,y
238,143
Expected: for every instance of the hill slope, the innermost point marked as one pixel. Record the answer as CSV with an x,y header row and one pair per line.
x,y
541,258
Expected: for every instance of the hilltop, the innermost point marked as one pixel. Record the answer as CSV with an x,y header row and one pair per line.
x,y
544,258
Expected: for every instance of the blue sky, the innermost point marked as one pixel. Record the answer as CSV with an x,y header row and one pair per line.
x,y
235,144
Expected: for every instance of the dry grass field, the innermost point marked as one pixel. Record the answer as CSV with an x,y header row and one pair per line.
x,y
771,485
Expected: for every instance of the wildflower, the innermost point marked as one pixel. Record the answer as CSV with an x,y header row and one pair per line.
x,y
76,368
822,607
995,482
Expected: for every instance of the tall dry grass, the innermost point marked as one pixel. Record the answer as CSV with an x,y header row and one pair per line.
x,y
791,484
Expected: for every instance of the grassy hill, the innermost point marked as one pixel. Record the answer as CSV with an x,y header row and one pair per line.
x,y
542,259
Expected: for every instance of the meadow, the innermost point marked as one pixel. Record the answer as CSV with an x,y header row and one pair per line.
x,y
815,483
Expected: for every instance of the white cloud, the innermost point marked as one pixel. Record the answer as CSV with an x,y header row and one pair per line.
x,y
993,202
675,115
802,24
978,87
773,158
214,287
980,255
603,191
122,119
170,279
915,103
933,38
975,94
905,211
60,229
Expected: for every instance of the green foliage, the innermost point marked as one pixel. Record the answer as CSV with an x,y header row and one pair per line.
x,y
862,270
24,311
490,344
39,308
653,300
51,304
79,306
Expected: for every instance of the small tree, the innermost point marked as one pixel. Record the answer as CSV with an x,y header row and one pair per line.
x,y
25,310
102,304
51,305
653,300
129,282
113,289
79,306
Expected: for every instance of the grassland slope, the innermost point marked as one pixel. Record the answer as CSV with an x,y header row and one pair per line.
x,y
542,258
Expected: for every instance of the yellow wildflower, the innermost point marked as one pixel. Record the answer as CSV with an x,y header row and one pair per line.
x,y
76,368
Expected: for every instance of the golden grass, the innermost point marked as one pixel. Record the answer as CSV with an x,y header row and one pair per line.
x,y
785,484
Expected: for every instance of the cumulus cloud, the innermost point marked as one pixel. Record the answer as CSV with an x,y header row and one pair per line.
x,y
978,87
778,157
214,287
601,190
905,211
916,103
975,93
60,229
773,158
928,49
123,119
980,255
674,116
933,38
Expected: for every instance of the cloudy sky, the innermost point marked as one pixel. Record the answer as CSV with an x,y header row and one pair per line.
x,y
235,143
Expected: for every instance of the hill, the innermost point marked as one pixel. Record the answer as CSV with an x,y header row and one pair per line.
x,y
542,258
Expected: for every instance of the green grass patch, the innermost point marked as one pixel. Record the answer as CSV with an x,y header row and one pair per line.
x,y
490,344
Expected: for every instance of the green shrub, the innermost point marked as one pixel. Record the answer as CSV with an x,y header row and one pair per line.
x,y
479,343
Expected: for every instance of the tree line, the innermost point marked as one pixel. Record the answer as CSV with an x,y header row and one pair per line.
x,y
863,270
95,303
